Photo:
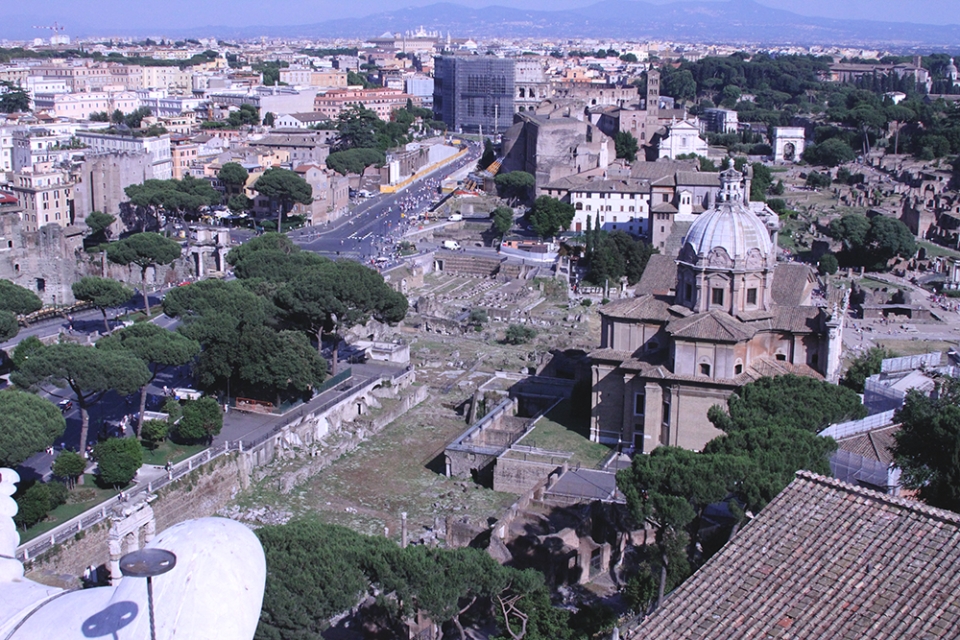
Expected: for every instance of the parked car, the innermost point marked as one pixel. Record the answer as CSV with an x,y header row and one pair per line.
x,y
65,405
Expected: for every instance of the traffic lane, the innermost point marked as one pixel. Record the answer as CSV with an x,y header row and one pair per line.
x,y
377,203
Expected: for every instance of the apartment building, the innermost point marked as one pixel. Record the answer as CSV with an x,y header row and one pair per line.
x,y
382,101
45,196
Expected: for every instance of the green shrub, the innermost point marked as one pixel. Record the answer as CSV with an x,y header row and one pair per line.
x,y
118,460
519,334
154,432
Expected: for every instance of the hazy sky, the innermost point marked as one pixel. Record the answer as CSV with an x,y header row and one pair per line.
x,y
106,16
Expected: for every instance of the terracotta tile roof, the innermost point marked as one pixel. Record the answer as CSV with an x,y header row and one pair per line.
x,y
659,277
664,207
715,326
874,445
661,168
698,179
610,355
791,282
824,560
796,319
647,307
769,366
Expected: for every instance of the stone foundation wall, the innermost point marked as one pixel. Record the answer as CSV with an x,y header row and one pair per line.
x,y
512,475
208,488
200,493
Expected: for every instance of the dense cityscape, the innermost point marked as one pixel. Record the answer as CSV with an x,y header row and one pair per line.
x,y
442,334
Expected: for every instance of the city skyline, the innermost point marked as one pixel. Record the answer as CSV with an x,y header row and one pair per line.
x,y
113,18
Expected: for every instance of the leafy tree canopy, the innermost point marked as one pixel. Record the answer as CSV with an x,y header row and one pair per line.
x,y
864,366
626,146
355,160
144,250
502,219
233,174
118,460
515,184
202,419
69,466
928,445
103,293
617,254
99,224
787,401
13,99
9,326
284,187
87,371
187,195
30,424
17,299
549,216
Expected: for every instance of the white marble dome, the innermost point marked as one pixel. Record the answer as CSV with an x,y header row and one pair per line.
x,y
730,225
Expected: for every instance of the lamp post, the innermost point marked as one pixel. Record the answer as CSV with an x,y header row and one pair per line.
x,y
147,563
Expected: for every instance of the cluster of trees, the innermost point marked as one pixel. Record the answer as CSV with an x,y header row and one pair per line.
x,y
330,52
15,302
13,99
770,431
927,448
246,115
270,70
515,184
872,242
355,160
611,256
550,216
179,197
782,86
316,571
35,500
255,332
626,146
361,128
87,371
133,119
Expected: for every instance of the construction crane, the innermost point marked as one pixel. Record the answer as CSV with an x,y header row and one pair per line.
x,y
56,28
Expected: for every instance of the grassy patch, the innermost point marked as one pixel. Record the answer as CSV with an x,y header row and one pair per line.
x,y
913,346
367,488
870,283
172,452
937,250
80,499
562,429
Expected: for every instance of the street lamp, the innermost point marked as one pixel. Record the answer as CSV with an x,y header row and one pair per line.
x,y
147,563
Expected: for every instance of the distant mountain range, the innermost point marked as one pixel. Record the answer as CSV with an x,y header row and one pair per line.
x,y
734,21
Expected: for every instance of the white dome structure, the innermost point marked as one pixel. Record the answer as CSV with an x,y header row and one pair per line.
x,y
727,257
730,226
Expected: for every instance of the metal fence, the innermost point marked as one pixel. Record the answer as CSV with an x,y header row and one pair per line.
x,y
104,510
32,548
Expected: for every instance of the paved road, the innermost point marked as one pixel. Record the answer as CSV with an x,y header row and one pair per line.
x,y
379,222
369,232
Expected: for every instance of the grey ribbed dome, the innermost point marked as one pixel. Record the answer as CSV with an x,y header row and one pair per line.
x,y
730,225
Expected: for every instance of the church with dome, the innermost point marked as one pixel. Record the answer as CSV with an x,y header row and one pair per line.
x,y
720,314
